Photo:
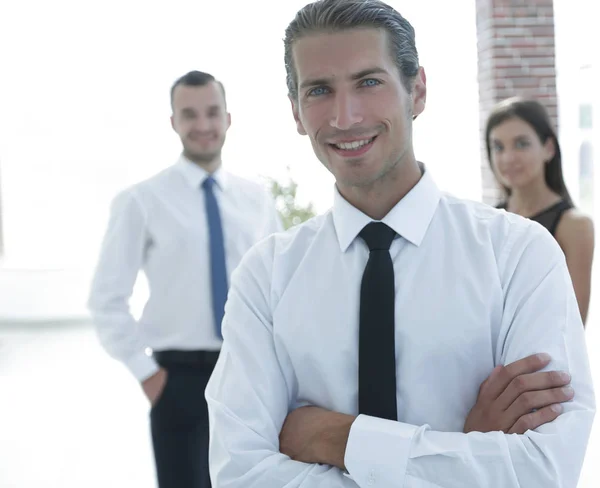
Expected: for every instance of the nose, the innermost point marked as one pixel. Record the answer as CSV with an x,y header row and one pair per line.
x,y
507,157
347,111
202,124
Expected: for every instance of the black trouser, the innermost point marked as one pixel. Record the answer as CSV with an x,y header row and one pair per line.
x,y
179,420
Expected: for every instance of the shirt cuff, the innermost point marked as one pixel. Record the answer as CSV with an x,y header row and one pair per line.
x,y
377,451
142,366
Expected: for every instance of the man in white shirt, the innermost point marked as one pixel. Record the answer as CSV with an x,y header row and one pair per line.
x,y
406,338
187,228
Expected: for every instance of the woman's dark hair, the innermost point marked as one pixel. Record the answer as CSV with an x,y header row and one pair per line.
x,y
535,114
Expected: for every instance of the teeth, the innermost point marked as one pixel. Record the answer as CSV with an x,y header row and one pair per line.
x,y
353,145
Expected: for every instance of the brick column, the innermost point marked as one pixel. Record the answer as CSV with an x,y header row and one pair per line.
x,y
516,50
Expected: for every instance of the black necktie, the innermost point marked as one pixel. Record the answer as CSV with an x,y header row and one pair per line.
x,y
376,347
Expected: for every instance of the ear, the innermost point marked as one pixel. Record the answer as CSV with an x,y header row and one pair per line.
x,y
299,126
549,149
419,94
173,123
228,120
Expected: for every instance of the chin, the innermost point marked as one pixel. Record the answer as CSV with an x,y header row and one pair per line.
x,y
206,149
516,183
203,157
356,179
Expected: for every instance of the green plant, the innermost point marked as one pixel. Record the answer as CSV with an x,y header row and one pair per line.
x,y
291,212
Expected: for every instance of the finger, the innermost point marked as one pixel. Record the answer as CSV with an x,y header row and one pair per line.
x,y
502,378
537,400
533,420
483,385
544,380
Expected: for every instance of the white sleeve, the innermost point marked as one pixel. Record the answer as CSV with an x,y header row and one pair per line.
x,y
540,315
121,258
251,390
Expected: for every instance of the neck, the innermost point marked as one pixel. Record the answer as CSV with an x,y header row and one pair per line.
x,y
210,166
532,199
377,199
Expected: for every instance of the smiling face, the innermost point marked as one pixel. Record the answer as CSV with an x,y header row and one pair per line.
x,y
518,155
201,120
353,105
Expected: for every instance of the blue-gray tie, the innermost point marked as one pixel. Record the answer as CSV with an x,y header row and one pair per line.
x,y
218,270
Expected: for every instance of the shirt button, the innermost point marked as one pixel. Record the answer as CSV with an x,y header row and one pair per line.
x,y
371,478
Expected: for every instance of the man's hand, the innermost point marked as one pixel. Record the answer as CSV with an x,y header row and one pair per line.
x,y
315,435
154,385
518,397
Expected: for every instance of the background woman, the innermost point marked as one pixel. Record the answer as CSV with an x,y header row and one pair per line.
x,y
525,157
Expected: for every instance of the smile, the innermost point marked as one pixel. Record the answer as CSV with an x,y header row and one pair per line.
x,y
353,148
354,144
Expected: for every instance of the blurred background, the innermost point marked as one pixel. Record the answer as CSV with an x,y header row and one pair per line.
x,y
84,112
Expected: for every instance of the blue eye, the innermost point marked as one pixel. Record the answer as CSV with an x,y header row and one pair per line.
x,y
318,91
371,82
522,144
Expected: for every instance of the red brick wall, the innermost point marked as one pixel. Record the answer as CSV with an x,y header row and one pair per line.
x,y
515,42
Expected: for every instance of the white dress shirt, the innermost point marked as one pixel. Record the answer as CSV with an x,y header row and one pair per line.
x,y
159,226
475,287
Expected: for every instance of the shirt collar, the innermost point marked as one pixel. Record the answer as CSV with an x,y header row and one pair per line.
x,y
410,217
195,175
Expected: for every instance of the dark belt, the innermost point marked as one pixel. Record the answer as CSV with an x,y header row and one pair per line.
x,y
198,358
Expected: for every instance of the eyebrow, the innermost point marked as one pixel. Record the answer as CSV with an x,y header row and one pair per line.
x,y
496,140
209,108
518,136
355,76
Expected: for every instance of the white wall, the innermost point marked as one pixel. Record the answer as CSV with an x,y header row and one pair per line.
x,y
85,110
577,41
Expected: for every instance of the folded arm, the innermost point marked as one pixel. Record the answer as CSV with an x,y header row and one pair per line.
x,y
250,393
540,315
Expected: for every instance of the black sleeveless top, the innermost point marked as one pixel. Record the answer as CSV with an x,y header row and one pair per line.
x,y
549,217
